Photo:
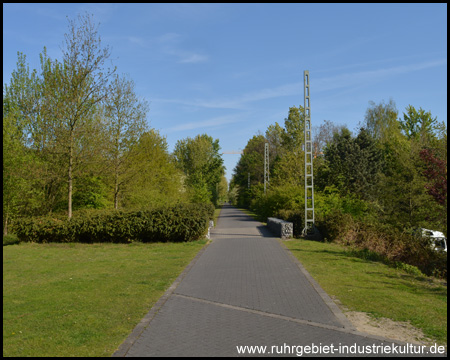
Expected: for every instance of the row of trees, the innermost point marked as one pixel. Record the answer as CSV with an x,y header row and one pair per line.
x,y
75,135
394,170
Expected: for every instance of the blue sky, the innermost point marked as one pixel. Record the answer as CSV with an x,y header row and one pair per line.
x,y
231,70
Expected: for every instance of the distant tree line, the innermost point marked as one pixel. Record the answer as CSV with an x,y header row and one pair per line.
x,y
393,170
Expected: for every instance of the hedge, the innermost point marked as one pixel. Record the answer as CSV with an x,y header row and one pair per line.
x,y
182,222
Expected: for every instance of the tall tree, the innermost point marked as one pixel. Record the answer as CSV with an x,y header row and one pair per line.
x,y
418,124
323,135
200,160
125,116
153,176
294,129
23,190
251,162
352,164
381,121
287,163
74,88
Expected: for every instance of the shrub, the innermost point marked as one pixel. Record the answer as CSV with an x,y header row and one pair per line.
x,y
388,242
183,222
10,239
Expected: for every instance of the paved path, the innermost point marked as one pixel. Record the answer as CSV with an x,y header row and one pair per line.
x,y
244,289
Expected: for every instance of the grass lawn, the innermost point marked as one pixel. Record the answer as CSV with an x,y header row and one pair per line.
x,y
83,299
375,288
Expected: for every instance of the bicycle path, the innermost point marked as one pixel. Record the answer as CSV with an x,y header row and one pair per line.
x,y
246,289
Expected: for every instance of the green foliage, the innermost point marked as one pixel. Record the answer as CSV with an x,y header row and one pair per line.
x,y
152,176
330,201
293,134
182,222
288,170
251,162
287,197
200,160
90,193
381,121
386,241
352,164
125,123
369,188
10,239
418,124
410,269
22,169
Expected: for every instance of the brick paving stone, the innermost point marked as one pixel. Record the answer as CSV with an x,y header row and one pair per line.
x,y
245,289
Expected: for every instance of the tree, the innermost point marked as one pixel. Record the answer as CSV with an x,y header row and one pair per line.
x,y
222,189
381,121
153,176
251,161
125,117
23,190
294,129
418,125
200,160
287,154
73,88
275,136
352,164
323,135
436,174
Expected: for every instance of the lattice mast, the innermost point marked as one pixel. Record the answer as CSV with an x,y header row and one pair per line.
x,y
309,181
266,166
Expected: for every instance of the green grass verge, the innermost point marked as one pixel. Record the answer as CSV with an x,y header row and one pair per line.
x,y
217,214
83,299
375,288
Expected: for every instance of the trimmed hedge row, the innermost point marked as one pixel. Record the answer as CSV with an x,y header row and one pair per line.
x,y
182,222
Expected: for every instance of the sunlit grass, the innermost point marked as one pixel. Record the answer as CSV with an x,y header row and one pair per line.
x,y
83,299
375,288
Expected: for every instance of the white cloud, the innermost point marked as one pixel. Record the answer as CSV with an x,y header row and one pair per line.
x,y
367,77
187,57
193,58
169,38
240,102
213,122
344,81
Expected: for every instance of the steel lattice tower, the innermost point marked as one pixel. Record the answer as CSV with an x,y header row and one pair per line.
x,y
309,181
266,166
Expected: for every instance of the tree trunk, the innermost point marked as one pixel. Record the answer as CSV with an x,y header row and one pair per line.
x,y
5,229
116,191
70,175
116,171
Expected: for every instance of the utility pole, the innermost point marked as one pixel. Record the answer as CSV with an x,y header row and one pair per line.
x,y
249,180
309,181
266,166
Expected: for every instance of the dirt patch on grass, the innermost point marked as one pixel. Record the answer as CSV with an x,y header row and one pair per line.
x,y
395,330
384,327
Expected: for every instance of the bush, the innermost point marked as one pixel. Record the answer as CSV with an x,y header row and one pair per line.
x,y
280,198
183,222
390,243
10,239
